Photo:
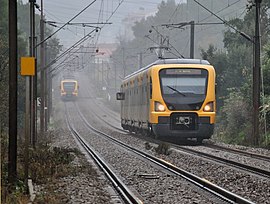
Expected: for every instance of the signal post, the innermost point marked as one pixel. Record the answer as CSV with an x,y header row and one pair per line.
x,y
27,70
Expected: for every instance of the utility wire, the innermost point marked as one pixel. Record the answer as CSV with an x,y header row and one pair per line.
x,y
63,63
229,5
69,49
226,22
174,12
53,16
82,39
66,23
119,4
169,43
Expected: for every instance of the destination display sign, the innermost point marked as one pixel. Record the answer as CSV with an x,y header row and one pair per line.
x,y
183,71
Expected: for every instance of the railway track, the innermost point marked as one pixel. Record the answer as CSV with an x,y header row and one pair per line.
x,y
221,193
235,164
119,186
244,153
251,169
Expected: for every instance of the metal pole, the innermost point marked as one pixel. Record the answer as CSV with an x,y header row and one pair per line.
x,y
256,76
115,72
42,65
29,102
34,139
49,86
102,74
46,100
32,79
191,39
13,52
124,67
140,61
27,127
50,97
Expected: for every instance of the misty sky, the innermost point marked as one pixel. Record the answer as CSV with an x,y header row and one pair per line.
x,y
61,11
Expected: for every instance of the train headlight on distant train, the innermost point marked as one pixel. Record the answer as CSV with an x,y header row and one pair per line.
x,y
159,107
209,107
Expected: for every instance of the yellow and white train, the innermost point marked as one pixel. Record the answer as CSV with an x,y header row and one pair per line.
x,y
69,89
170,98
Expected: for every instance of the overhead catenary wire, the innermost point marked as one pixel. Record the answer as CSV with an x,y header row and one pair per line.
x,y
119,4
66,23
63,63
176,9
106,22
229,5
169,43
69,49
53,16
82,39
226,22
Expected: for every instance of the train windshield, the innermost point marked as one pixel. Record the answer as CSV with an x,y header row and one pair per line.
x,y
183,88
69,86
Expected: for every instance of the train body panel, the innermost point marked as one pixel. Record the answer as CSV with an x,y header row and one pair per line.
x,y
171,98
69,89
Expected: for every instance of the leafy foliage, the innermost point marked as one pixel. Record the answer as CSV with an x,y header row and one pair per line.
x,y
236,118
163,148
47,163
3,65
23,34
234,78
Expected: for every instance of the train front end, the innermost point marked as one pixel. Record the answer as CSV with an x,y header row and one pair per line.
x,y
183,101
69,89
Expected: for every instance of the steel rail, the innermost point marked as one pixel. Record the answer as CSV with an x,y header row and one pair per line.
x,y
233,150
120,187
200,182
245,167
238,165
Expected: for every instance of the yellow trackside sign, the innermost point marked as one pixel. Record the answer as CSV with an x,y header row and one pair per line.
x,y
27,66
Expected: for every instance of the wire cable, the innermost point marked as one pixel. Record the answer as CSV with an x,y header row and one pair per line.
x,y
229,5
226,22
119,4
178,6
66,23
69,49
169,43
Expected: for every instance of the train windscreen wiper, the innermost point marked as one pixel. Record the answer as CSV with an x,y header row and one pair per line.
x,y
177,91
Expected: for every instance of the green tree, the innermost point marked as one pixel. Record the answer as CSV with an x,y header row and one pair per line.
x,y
266,69
3,64
234,77
265,108
23,30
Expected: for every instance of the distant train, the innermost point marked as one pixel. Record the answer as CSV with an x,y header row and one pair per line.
x,y
69,89
170,98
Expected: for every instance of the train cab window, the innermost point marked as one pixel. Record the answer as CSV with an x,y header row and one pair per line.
x,y
184,88
184,82
69,86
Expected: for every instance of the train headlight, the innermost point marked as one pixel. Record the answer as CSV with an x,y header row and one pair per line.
x,y
209,107
159,107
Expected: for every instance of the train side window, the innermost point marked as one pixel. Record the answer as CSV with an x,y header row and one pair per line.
x,y
150,88
120,96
